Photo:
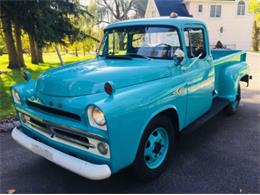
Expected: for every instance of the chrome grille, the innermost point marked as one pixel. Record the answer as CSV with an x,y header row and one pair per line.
x,y
52,131
66,135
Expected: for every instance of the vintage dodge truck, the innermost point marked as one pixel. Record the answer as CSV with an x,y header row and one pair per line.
x,y
152,79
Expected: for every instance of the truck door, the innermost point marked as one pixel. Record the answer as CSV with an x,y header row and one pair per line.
x,y
199,72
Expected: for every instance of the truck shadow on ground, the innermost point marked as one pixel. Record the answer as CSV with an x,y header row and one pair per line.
x,y
209,159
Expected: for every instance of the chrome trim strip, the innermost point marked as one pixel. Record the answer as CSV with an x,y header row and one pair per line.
x,y
37,126
73,140
79,131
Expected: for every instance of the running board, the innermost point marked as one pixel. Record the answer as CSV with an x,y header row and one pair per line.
x,y
218,105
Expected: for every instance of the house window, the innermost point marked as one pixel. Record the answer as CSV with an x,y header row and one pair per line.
x,y
241,8
215,11
200,8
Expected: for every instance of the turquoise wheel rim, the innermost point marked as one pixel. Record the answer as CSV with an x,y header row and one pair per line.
x,y
156,148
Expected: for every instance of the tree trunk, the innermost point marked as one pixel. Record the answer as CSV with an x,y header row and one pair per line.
x,y
121,41
19,47
256,32
83,46
76,51
39,52
58,53
34,56
9,40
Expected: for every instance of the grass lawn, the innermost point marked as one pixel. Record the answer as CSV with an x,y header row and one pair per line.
x,y
10,77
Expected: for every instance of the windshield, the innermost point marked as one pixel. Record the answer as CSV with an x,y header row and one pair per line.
x,y
142,41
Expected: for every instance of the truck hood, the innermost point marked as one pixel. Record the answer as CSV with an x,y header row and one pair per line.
x,y
89,77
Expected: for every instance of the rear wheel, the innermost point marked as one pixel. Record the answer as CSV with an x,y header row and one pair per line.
x,y
155,149
233,106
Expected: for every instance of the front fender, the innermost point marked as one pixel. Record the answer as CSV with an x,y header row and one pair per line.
x,y
129,111
25,89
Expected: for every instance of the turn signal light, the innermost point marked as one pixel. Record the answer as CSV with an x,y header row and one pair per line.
x,y
108,87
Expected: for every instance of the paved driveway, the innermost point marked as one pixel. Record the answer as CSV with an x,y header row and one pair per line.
x,y
223,156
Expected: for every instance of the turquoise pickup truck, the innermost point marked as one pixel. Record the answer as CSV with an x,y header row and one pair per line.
x,y
152,80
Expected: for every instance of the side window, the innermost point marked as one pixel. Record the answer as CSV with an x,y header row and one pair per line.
x,y
194,42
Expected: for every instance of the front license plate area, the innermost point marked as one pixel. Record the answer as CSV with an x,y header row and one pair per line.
x,y
41,151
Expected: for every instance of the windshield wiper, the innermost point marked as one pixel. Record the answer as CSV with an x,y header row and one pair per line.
x,y
138,55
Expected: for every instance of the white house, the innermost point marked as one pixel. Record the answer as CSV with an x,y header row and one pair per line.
x,y
228,21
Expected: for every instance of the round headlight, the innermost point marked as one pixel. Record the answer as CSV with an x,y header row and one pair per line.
x,y
16,97
98,116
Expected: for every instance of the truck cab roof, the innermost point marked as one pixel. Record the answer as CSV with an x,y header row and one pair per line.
x,y
176,21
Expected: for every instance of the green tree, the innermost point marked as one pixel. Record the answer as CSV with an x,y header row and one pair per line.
x,y
19,47
89,30
2,42
45,21
256,37
9,40
255,8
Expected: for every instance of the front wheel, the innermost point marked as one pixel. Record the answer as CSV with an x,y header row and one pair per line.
x,y
233,106
155,149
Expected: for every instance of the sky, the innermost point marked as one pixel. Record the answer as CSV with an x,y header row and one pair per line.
x,y
84,2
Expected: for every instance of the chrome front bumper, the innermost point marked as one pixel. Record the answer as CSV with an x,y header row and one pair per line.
x,y
78,166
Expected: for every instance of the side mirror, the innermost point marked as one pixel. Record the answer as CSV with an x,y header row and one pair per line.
x,y
26,75
178,56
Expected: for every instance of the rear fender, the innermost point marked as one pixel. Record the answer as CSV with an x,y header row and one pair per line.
x,y
229,78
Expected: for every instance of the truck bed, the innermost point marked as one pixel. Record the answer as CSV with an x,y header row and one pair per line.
x,y
217,54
